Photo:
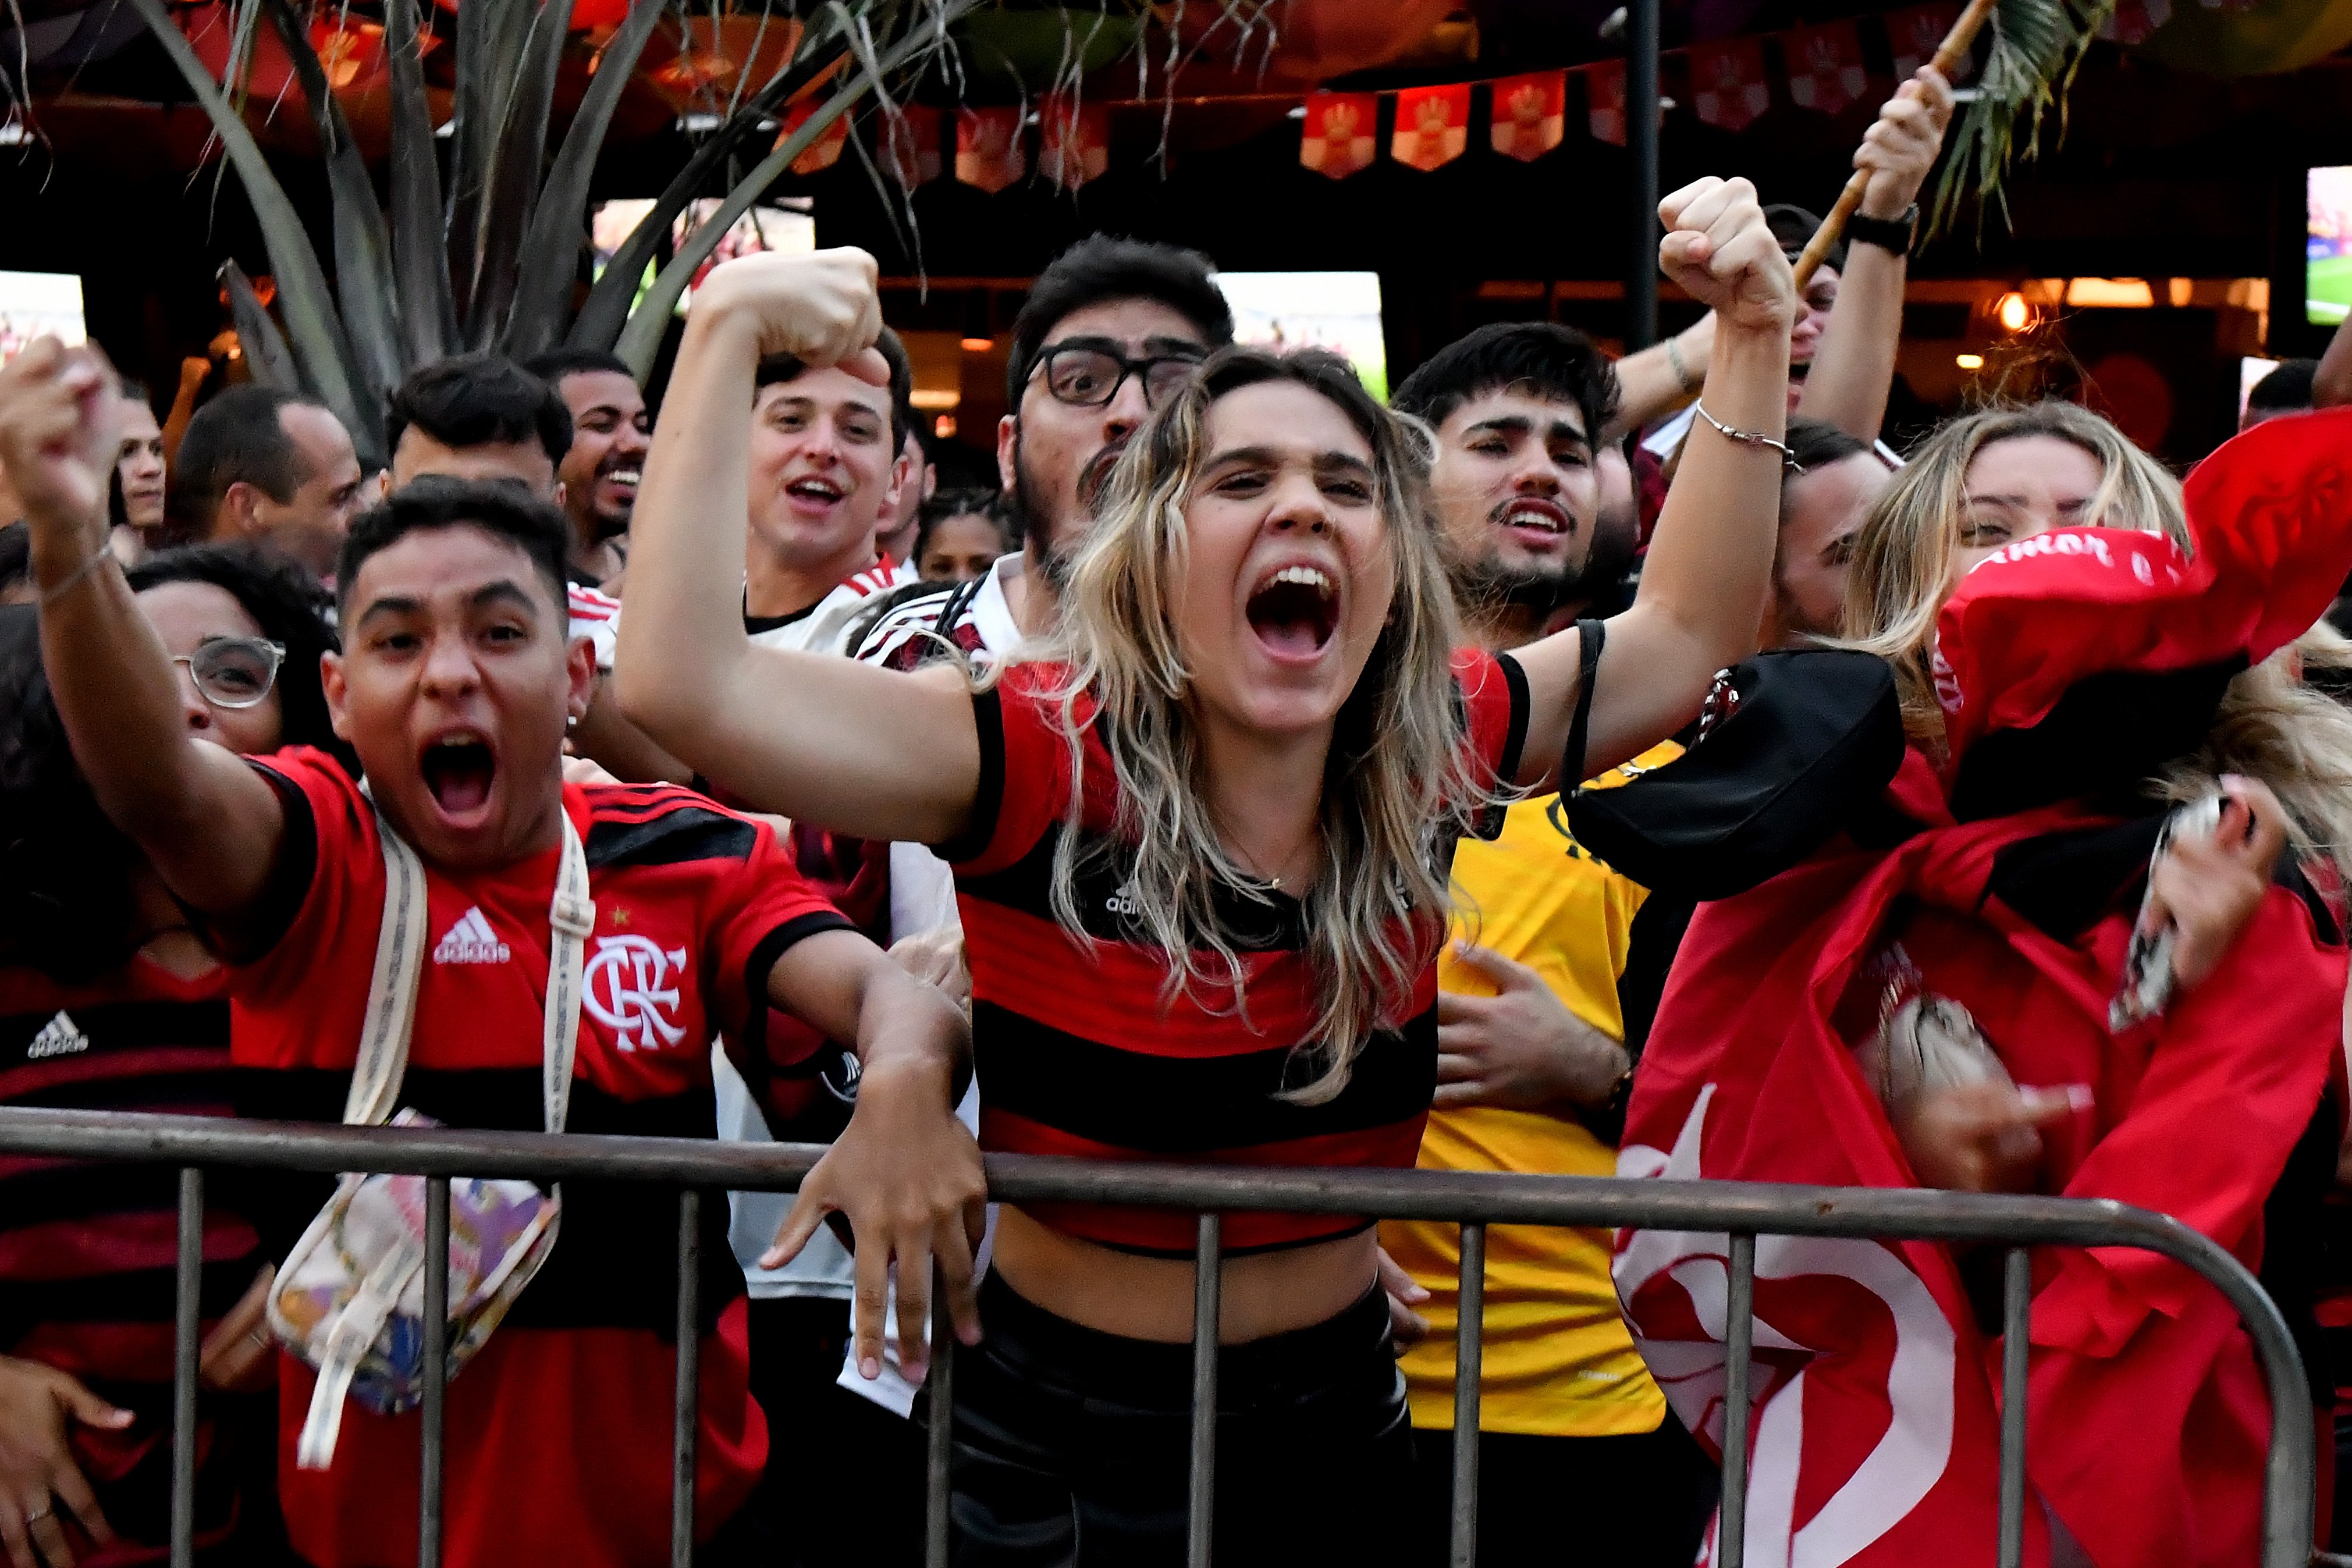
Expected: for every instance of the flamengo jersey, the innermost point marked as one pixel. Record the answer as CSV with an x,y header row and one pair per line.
x,y
1078,1054
559,1431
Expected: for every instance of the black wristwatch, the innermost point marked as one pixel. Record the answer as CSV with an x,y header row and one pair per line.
x,y
1886,233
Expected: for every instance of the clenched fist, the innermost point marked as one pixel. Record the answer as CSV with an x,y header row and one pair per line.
x,y
821,307
1718,248
60,420
1902,143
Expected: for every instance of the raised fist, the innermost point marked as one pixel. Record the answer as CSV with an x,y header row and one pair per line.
x,y
60,424
819,306
1902,143
1718,248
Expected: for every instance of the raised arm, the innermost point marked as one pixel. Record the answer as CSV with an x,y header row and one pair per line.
x,y
808,735
1853,369
2331,383
1701,602
207,822
1652,383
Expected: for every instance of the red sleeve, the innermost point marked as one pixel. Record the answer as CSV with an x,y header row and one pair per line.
x,y
1493,708
328,876
1025,770
761,906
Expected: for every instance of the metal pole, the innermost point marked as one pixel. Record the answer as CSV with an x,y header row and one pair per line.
x,y
940,1448
187,1290
1469,1344
433,1439
1642,148
1201,1516
689,1378
1738,1341
2016,1342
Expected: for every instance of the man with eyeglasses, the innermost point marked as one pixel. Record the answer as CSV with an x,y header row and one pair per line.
x,y
1108,329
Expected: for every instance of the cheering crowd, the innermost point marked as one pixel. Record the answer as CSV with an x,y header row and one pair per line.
x,y
1265,776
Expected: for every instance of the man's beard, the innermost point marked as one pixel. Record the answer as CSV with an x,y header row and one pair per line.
x,y
1054,551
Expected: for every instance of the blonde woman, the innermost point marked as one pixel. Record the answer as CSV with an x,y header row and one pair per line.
x,y
2076,642
1200,839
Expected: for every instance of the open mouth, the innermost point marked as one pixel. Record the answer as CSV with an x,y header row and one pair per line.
x,y
458,770
1295,612
623,478
1535,520
814,492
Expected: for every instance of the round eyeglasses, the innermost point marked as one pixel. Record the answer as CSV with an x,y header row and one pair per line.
x,y
233,672
1087,376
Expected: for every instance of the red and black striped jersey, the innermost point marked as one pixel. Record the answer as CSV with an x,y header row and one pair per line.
x,y
1080,1049
557,1433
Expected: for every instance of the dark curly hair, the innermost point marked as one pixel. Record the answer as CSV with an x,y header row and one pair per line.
x,y
65,870
289,605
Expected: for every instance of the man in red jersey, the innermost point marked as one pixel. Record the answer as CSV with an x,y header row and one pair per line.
x,y
454,687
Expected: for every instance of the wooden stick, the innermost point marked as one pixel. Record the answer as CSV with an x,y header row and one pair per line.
x,y
1955,48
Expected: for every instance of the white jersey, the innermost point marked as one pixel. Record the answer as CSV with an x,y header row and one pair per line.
x,y
975,617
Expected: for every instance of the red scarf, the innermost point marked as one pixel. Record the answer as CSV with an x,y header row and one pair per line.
x,y
1874,1433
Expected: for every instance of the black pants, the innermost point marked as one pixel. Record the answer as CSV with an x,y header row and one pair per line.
x,y
1638,1501
1072,1447
845,1478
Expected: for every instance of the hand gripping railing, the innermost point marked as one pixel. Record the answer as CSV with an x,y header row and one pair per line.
x,y
1740,1210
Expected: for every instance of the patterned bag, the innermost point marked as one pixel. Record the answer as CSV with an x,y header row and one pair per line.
x,y
350,1300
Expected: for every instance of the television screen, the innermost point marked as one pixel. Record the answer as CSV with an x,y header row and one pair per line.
x,y
1336,310
38,304
2328,245
787,227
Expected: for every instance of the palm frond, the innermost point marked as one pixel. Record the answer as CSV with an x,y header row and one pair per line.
x,y
513,173
2037,46
267,356
428,315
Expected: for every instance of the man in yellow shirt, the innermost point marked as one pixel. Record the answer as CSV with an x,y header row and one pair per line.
x,y
1579,1461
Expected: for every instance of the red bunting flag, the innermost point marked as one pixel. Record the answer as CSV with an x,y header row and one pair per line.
x,y
1338,138
2132,21
909,145
1604,101
1727,86
823,152
988,147
1433,125
1529,114
1914,36
1824,65
1073,142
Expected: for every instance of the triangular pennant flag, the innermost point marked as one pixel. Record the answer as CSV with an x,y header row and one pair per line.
x,y
1337,140
2134,21
1824,67
909,145
1433,125
1604,101
1529,114
823,152
1073,142
1728,88
1914,36
988,147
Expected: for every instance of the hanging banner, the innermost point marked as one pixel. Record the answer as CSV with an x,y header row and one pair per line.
x,y
1073,141
909,145
1824,65
1727,86
1433,125
1531,114
988,147
2133,21
825,150
1914,36
1337,140
1604,101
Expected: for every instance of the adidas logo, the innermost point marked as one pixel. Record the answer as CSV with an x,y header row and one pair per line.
x,y
470,941
58,1037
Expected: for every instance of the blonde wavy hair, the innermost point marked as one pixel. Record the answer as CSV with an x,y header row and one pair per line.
x,y
1396,787
2270,726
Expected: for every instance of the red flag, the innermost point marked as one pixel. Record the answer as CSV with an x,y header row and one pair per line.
x,y
1604,101
1824,67
1914,36
1338,138
823,152
988,147
1073,141
1728,86
2132,21
909,145
1433,125
1529,114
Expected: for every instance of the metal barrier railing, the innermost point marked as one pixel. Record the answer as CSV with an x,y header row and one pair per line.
x,y
1741,1212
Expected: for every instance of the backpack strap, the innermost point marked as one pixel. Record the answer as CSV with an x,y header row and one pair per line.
x,y
391,989
1590,636
572,916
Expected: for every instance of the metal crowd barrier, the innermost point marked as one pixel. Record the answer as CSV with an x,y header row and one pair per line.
x,y
1742,1211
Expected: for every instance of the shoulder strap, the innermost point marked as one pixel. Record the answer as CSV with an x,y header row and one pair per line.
x,y
1589,635
391,989
572,916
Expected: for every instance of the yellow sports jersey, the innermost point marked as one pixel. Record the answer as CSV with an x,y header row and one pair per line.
x,y
1558,1360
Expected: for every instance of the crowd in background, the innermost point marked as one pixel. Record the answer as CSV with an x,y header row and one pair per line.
x,y
1201,789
